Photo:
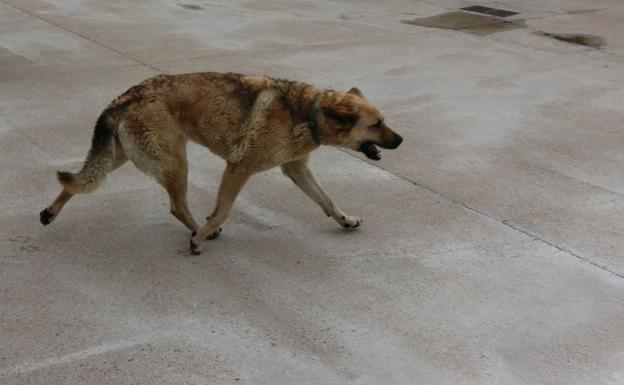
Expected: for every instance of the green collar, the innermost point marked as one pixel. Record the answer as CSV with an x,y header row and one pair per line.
x,y
312,122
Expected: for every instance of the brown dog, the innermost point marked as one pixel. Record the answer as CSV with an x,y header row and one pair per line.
x,y
254,123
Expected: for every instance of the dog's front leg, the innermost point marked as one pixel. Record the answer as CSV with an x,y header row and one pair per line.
x,y
232,182
301,175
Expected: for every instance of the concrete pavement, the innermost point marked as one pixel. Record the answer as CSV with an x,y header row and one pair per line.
x,y
492,249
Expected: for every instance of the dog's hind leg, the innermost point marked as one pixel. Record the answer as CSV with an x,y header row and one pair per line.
x,y
175,182
158,150
301,175
232,182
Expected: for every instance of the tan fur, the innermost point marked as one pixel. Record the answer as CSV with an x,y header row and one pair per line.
x,y
253,122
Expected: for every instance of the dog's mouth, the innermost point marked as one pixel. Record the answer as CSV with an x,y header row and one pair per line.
x,y
370,150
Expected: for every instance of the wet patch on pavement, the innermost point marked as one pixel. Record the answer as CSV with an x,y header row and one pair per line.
x,y
483,25
466,22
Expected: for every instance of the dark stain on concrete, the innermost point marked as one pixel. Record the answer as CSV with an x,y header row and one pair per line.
x,y
194,7
593,41
467,22
582,11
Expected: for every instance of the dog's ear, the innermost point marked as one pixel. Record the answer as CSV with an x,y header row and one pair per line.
x,y
356,91
343,116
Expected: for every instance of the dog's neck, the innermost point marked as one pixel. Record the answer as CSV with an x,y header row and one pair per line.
x,y
300,97
304,101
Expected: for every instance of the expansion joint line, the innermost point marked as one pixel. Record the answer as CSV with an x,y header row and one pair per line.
x,y
494,218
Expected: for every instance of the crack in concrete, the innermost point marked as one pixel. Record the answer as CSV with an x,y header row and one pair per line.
x,y
103,348
159,333
563,175
496,219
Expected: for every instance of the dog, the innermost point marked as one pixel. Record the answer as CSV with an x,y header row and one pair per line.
x,y
253,122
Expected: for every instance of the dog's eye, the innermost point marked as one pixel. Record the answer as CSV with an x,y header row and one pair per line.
x,y
378,124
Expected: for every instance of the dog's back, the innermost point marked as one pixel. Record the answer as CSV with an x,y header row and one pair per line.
x,y
220,111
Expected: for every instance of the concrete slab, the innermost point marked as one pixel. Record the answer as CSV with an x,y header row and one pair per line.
x,y
185,31
33,47
491,250
426,290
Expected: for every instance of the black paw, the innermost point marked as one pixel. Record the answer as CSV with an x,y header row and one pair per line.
x,y
194,248
45,217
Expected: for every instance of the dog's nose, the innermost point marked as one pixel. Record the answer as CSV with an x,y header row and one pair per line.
x,y
398,139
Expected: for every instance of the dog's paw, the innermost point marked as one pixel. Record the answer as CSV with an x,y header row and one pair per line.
x,y
195,246
349,222
46,217
215,234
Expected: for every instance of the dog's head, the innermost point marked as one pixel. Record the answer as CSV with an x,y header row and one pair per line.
x,y
349,120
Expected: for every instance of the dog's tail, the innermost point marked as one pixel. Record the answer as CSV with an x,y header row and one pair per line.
x,y
100,159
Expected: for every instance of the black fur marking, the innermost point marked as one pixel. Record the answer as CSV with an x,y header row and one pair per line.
x,y
65,177
102,134
356,91
247,98
194,249
45,217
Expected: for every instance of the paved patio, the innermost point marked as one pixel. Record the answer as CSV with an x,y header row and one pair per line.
x,y
493,245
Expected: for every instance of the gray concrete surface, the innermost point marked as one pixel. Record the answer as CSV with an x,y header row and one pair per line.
x,y
492,250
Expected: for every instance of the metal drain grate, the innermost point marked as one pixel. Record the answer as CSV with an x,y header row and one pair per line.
x,y
489,11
